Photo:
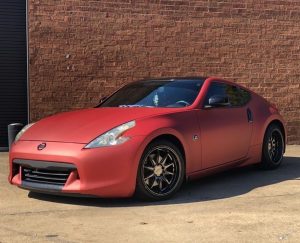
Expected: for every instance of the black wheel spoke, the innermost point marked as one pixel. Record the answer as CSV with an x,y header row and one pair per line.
x,y
149,168
148,177
168,166
155,183
153,162
160,185
169,173
164,160
166,180
158,158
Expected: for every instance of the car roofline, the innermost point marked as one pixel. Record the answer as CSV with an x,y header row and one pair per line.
x,y
174,78
211,79
183,78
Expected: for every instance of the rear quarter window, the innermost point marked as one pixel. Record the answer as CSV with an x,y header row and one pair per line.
x,y
244,96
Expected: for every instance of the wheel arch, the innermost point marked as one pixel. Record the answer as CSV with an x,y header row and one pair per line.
x,y
171,135
174,139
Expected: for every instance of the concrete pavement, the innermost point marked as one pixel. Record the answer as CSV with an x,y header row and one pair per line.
x,y
242,205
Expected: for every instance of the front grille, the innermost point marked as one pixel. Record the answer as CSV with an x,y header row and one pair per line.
x,y
43,176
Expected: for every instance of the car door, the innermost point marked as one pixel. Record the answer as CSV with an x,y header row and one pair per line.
x,y
225,130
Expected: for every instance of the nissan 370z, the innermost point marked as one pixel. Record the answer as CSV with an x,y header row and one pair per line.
x,y
147,138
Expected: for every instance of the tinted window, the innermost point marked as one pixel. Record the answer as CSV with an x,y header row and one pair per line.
x,y
245,96
236,95
215,89
152,93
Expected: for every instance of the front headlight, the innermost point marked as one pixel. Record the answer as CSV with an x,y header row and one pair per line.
x,y
112,137
24,129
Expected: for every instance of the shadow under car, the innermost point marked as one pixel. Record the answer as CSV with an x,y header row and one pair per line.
x,y
227,184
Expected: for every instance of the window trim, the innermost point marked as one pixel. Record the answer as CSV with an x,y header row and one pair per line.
x,y
225,107
100,105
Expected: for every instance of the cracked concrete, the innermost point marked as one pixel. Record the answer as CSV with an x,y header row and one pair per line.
x,y
243,205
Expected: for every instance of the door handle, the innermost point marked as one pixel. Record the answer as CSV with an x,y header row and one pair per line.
x,y
249,115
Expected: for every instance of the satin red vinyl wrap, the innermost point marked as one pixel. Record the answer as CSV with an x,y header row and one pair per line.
x,y
226,139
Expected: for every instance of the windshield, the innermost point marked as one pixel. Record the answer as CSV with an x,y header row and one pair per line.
x,y
156,93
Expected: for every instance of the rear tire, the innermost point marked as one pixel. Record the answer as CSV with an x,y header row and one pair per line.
x,y
161,171
273,148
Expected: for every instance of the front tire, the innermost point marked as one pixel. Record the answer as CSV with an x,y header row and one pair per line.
x,y
161,171
273,148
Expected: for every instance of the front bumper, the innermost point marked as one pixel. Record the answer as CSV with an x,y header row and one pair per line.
x,y
68,168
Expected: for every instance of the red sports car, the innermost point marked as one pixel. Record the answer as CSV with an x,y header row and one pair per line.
x,y
147,139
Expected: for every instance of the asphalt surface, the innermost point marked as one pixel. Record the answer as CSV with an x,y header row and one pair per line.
x,y
242,205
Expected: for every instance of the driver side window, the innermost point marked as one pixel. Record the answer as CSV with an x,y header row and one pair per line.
x,y
237,96
215,89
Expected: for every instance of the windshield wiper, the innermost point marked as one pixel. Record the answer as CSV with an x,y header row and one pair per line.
x,y
134,106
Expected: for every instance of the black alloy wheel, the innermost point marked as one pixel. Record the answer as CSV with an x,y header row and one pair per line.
x,y
273,147
161,171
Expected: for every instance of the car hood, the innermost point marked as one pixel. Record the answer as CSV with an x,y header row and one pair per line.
x,y
82,126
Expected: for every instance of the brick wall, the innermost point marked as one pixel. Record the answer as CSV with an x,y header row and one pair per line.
x,y
83,49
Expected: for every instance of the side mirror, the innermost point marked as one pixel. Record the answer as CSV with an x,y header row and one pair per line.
x,y
218,101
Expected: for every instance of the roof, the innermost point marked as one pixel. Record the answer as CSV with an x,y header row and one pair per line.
x,y
175,78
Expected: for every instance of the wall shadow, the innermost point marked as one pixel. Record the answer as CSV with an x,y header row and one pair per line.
x,y
220,186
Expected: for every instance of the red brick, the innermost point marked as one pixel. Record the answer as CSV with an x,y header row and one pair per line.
x,y
83,49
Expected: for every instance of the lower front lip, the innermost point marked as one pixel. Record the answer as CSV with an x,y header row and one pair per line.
x,y
104,172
